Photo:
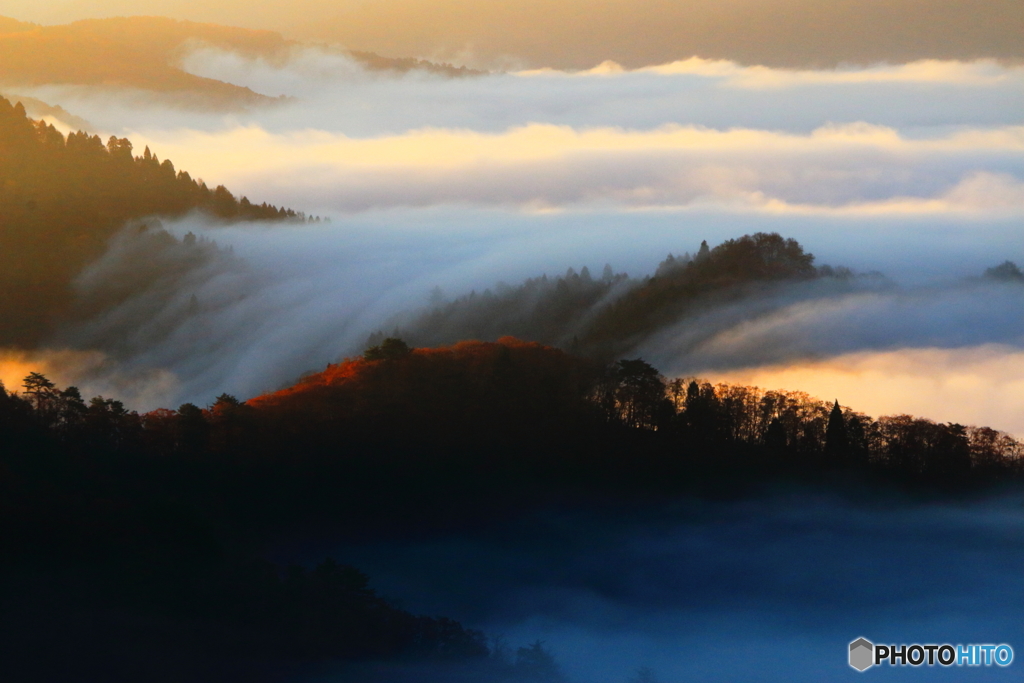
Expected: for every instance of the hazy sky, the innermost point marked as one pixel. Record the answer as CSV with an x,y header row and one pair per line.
x,y
581,33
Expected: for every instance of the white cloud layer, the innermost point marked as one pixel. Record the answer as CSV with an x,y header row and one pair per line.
x,y
914,169
292,298
924,138
856,168
981,73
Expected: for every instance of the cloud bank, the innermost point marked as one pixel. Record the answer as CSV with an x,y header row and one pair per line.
x,y
871,141
850,169
913,169
273,303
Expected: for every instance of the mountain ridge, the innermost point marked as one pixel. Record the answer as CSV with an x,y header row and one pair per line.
x,y
144,53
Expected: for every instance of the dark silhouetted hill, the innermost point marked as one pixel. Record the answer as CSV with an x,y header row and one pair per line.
x,y
471,393
135,541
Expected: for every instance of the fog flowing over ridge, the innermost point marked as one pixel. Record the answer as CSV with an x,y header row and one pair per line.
x,y
745,282
915,170
269,304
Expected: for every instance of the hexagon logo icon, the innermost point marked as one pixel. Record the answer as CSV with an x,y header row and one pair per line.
x,y
862,654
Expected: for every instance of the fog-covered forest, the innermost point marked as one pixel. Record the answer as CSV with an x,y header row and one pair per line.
x,y
609,314
62,199
563,342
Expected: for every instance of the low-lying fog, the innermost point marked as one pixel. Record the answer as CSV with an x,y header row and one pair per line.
x,y
914,170
292,298
764,590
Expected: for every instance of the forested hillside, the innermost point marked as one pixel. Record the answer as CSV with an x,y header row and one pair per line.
x,y
137,537
543,399
504,414
606,315
61,199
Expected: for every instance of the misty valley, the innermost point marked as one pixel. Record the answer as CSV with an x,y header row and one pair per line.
x,y
693,371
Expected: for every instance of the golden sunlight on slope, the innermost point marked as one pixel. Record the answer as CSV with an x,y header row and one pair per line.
x,y
976,385
92,371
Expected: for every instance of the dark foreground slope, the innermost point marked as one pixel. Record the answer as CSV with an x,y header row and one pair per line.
x,y
132,547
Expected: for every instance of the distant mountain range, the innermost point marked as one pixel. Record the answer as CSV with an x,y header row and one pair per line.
x,y
144,53
574,34
579,34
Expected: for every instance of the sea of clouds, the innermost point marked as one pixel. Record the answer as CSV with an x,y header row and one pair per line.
x,y
915,170
770,588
